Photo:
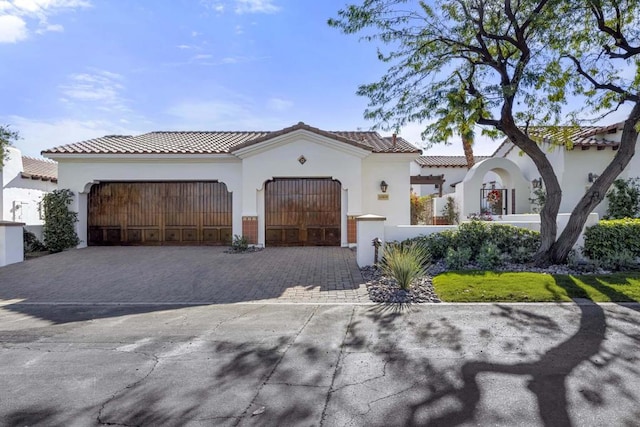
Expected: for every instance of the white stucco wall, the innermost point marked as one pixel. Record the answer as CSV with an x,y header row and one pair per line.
x,y
11,243
394,169
21,197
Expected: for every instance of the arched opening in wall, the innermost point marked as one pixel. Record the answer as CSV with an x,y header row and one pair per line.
x,y
303,212
159,213
497,197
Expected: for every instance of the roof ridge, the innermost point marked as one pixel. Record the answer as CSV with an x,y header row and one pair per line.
x,y
207,131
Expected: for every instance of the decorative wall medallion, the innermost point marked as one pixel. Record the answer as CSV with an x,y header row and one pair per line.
x,y
302,160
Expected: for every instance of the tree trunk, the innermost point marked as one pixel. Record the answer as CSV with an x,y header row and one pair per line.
x,y
560,249
467,146
549,213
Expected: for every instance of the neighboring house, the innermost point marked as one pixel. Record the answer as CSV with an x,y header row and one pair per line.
x,y
578,155
24,181
296,186
449,169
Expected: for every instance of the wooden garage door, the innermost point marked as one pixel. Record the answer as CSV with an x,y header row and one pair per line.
x,y
302,212
158,213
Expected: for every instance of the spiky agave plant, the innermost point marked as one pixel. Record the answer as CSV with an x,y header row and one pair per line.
x,y
404,263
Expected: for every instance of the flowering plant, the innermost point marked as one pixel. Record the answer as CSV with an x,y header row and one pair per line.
x,y
494,196
484,215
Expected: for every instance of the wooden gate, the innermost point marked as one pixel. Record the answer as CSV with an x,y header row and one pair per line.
x,y
302,212
159,213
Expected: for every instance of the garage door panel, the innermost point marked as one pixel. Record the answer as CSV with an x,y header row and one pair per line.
x,y
302,211
152,213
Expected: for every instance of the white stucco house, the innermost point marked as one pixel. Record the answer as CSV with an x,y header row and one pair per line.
x,y
578,156
297,186
24,181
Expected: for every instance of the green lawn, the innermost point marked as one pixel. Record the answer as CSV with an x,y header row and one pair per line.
x,y
481,286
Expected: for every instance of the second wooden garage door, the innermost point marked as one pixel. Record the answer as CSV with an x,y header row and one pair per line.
x,y
302,212
157,213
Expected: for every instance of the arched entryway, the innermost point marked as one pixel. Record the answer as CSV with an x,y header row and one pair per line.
x,y
510,197
303,212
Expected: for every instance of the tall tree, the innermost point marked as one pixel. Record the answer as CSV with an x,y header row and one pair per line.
x,y
7,138
460,116
518,62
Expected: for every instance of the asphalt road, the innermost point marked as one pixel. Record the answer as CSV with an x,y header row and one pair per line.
x,y
331,365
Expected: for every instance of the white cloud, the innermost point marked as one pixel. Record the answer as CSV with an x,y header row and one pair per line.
x,y
38,135
17,16
255,6
201,57
241,6
279,104
12,29
54,28
100,87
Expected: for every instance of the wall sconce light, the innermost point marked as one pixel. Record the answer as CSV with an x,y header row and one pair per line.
x,y
384,186
592,177
537,183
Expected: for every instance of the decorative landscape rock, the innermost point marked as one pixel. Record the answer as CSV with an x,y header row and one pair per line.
x,y
384,290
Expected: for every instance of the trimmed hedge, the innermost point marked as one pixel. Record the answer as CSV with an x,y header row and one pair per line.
x,y
518,244
611,238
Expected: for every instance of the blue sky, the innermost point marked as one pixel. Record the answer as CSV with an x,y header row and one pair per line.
x,y
78,69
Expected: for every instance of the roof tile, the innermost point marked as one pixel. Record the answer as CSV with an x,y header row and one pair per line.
x,y
211,142
446,161
33,168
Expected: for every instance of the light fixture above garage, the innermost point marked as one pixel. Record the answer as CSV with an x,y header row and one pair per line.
x,y
384,186
302,160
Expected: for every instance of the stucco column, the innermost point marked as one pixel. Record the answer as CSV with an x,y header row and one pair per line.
x,y
80,205
369,227
11,243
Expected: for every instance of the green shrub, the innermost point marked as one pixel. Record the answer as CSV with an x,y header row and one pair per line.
x,y
31,242
624,199
59,222
239,244
435,244
624,260
489,257
404,263
450,211
516,243
520,255
609,238
471,235
457,259
519,244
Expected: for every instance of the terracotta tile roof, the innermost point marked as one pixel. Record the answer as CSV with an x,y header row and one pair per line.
x,y
446,161
42,169
219,142
575,136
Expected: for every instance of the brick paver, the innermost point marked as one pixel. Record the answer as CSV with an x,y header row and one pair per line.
x,y
187,275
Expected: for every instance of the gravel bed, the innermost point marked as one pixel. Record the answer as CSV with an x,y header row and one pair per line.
x,y
384,290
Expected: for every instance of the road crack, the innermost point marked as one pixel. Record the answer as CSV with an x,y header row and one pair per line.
x,y
335,371
156,361
275,367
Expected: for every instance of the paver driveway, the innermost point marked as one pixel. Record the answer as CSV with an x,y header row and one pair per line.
x,y
199,275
